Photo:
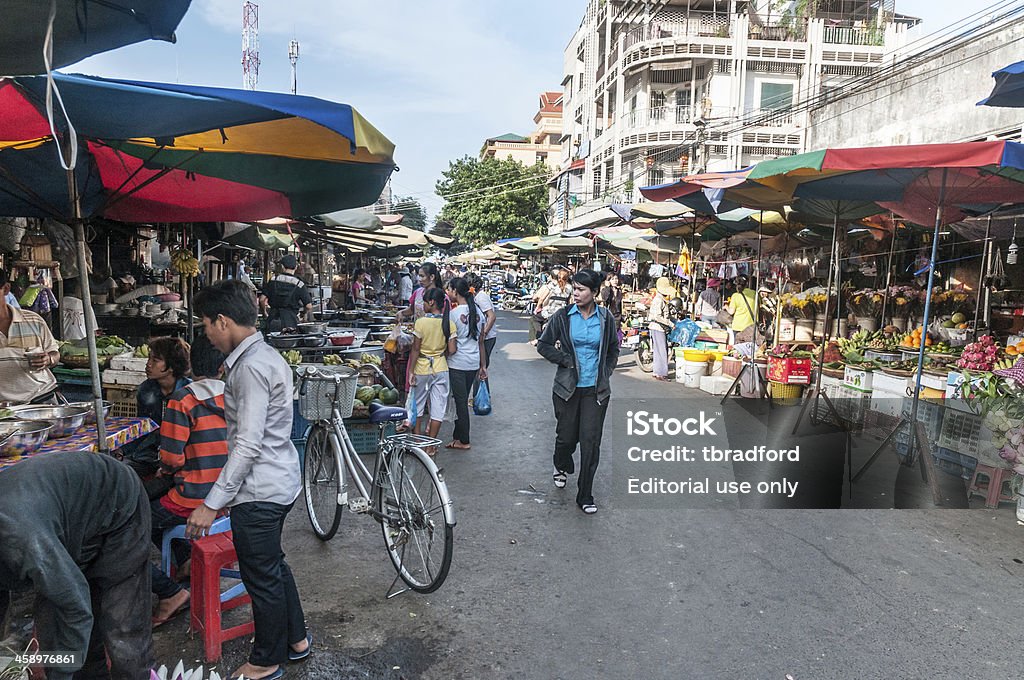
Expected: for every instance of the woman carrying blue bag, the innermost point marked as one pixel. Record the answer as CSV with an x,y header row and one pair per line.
x,y
469,359
582,341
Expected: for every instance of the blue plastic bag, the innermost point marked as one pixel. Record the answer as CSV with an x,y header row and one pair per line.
x,y
482,400
684,333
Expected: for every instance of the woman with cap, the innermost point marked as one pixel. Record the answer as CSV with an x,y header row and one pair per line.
x,y
660,323
285,297
709,304
581,340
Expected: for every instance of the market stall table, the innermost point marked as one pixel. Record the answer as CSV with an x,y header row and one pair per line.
x,y
120,431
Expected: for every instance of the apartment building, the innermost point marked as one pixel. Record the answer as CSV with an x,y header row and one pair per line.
x,y
543,145
658,89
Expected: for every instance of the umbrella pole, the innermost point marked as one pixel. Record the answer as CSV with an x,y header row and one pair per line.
x,y
90,320
982,274
927,315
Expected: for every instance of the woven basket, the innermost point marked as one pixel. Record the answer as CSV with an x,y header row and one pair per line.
x,y
329,388
785,391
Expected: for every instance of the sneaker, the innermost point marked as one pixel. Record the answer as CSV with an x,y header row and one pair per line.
x,y
559,479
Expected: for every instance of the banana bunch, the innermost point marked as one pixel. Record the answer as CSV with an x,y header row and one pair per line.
x,y
184,262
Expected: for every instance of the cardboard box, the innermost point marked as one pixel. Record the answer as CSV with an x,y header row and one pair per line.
x,y
858,379
789,371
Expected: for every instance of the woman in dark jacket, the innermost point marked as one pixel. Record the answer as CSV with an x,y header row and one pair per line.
x,y
581,340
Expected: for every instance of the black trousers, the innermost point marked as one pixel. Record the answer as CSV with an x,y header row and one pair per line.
x,y
163,519
461,382
119,587
536,326
579,421
276,610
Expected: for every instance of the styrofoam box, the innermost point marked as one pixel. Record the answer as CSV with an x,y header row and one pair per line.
x,y
716,384
128,362
858,379
886,402
890,383
115,377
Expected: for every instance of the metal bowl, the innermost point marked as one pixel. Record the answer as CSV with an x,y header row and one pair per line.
x,y
65,419
314,340
380,336
30,436
284,341
90,418
312,328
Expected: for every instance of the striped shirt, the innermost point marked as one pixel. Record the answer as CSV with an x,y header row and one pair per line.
x,y
18,382
194,441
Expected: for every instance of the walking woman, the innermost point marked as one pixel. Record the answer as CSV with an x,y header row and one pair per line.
x,y
433,339
429,278
582,342
469,359
488,316
660,323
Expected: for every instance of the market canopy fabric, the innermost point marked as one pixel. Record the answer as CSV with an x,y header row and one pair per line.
x,y
158,152
81,28
915,182
1009,87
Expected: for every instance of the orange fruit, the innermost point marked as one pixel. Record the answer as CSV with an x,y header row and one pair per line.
x,y
1012,351
1020,347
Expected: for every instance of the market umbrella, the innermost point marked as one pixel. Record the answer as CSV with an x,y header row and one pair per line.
x,y
152,152
1009,87
80,28
927,184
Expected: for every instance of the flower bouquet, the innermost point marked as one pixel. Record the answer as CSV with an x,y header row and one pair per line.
x,y
798,306
866,303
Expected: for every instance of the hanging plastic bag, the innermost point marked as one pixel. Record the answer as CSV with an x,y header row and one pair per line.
x,y
482,400
398,340
410,407
684,333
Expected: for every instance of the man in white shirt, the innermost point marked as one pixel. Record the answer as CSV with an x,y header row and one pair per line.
x,y
27,353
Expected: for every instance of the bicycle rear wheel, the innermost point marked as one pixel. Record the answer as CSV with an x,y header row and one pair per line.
x,y
321,482
416,534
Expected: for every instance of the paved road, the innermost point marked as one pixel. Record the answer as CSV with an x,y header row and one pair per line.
x,y
538,590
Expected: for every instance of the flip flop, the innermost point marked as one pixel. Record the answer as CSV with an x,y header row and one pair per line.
x,y
299,656
156,623
276,675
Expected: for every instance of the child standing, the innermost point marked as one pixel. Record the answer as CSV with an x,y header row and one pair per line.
x,y
434,337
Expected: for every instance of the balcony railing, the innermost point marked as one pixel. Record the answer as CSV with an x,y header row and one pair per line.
x,y
700,24
660,115
849,35
787,32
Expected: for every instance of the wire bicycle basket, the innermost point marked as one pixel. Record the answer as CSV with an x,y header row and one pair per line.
x,y
324,388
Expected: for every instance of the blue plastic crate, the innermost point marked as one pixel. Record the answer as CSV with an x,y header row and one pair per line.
x,y
955,463
299,424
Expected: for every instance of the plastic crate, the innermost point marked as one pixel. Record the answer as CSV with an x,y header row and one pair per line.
x,y
365,435
125,408
299,424
929,413
954,463
962,432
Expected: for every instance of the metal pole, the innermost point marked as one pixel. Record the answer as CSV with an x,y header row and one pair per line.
x,y
888,270
927,309
827,335
90,321
983,274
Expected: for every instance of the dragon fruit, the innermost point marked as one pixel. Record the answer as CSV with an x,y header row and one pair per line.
x,y
980,356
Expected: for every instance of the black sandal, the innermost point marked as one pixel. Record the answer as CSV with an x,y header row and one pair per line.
x,y
559,479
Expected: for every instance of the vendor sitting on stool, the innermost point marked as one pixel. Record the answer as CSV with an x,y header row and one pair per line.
x,y
74,528
27,353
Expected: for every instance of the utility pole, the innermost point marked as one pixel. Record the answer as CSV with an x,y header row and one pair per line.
x,y
250,45
293,57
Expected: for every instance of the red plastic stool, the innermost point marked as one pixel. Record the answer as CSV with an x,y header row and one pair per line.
x,y
991,484
209,556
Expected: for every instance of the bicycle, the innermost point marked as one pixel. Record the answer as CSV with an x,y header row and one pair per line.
x,y
405,492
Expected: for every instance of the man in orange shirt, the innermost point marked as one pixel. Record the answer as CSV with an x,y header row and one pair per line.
x,y
193,448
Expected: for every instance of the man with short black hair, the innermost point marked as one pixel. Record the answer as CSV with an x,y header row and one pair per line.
x,y
28,351
285,297
261,478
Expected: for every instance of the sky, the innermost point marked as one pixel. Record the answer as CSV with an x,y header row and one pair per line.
x,y
436,77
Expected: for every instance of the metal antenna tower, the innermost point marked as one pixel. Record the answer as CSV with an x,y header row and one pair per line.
x,y
293,57
250,44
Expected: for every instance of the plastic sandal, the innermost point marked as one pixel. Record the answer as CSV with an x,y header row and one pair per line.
x,y
589,508
559,479
299,656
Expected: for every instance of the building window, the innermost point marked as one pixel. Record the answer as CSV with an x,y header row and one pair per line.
x,y
776,96
655,176
682,106
657,105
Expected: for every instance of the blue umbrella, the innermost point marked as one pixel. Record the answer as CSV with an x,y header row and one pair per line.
x,y
81,28
1009,89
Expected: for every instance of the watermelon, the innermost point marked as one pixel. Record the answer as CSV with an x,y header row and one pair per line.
x,y
366,394
389,396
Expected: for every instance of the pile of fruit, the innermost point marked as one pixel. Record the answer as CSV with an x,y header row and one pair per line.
x,y
1015,350
370,359
832,353
333,360
958,320
184,262
981,355
369,394
142,352
292,356
912,340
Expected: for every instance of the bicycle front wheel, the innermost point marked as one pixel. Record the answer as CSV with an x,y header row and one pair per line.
x,y
417,535
321,483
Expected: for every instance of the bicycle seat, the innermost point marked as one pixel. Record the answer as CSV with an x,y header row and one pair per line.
x,y
383,414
